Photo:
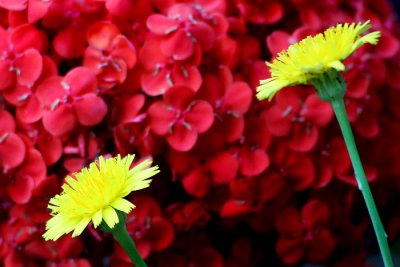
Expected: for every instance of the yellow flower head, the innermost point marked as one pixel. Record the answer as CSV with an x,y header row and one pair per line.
x,y
314,56
95,193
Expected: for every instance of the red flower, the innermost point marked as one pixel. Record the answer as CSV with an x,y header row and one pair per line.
x,y
181,31
20,59
218,170
230,101
296,169
188,216
180,118
261,12
109,54
332,161
71,100
163,72
297,119
305,234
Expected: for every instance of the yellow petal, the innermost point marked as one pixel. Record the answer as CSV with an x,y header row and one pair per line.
x,y
110,217
122,205
97,218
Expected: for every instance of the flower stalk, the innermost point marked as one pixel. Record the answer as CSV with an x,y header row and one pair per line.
x,y
331,87
121,235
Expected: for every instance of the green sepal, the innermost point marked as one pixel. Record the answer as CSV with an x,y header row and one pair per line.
x,y
330,85
121,223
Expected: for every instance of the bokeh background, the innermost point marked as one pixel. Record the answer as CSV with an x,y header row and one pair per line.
x,y
243,183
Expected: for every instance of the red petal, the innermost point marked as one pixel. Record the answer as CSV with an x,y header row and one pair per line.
x,y
188,76
7,122
18,96
291,251
30,66
238,98
81,81
33,166
128,108
233,208
154,85
12,151
7,76
20,190
288,222
182,138
14,5
278,41
161,24
208,257
203,34
223,168
300,172
50,148
151,56
123,49
277,123
339,156
59,121
200,116
161,234
37,10
270,186
303,137
253,162
388,46
319,112
50,91
93,59
26,37
315,214
197,183
179,97
161,118
90,109
31,112
39,249
178,45
102,34
70,43
321,247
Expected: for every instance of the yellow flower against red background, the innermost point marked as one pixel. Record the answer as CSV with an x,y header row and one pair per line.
x,y
95,193
314,56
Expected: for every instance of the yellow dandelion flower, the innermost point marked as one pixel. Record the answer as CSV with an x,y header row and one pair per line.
x,y
314,56
95,193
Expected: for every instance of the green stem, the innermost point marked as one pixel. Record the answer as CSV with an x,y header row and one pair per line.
x,y
341,115
121,235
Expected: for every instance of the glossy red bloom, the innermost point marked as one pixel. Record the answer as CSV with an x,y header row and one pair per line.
x,y
305,234
180,117
230,101
12,147
188,216
296,169
298,117
109,54
261,12
20,59
181,31
332,161
219,170
71,100
162,72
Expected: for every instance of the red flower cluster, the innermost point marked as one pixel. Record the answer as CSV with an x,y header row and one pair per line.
x,y
243,182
